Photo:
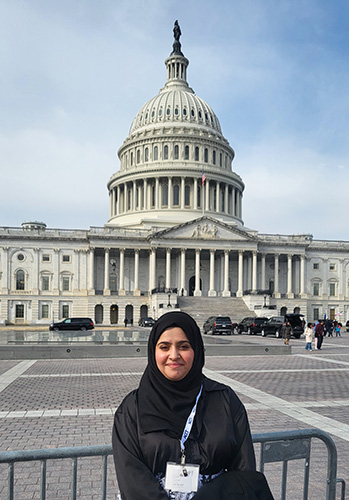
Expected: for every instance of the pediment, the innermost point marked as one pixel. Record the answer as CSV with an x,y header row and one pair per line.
x,y
204,228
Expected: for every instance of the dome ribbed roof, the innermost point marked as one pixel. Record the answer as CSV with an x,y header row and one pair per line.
x,y
176,106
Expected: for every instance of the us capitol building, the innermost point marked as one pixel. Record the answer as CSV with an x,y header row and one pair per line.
x,y
175,236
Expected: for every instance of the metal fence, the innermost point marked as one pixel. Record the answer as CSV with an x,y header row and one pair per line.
x,y
281,447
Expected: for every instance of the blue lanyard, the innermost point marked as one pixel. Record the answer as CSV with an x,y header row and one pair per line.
x,y
189,425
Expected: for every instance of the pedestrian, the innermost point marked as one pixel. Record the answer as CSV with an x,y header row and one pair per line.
x,y
319,334
286,332
328,328
338,330
309,335
180,431
126,321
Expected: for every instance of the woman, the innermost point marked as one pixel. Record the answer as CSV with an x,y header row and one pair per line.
x,y
178,421
309,335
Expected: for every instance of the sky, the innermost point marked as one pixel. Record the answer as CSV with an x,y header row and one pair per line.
x,y
74,74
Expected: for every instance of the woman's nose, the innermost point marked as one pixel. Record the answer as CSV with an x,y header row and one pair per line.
x,y
174,353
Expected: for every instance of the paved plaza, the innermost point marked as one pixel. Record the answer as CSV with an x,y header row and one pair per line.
x,y
59,403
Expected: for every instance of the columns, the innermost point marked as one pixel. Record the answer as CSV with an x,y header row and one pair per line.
x,y
226,291
91,259
118,204
290,294
152,269
218,197
233,195
197,291
276,276
106,290
239,292
325,278
183,290
35,282
263,287
207,195
254,271
122,272
76,271
4,260
302,277
136,290
226,199
145,194
134,204
182,193
195,193
168,268
341,289
170,193
212,292
157,193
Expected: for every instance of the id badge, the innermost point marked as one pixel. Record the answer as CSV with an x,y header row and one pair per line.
x,y
183,478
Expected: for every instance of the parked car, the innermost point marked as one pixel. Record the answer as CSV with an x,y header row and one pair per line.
x,y
347,325
73,324
274,325
218,324
146,321
251,325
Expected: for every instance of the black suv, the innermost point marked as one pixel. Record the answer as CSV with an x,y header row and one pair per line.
x,y
274,324
251,325
73,324
218,324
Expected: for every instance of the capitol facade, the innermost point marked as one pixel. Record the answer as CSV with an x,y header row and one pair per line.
x,y
175,236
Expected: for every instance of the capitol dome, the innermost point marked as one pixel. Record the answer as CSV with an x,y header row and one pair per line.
x,y
175,164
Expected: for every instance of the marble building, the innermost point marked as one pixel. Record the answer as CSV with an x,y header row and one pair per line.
x,y
175,231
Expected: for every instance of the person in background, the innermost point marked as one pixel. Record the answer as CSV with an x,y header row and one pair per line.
x,y
309,335
181,435
319,333
286,332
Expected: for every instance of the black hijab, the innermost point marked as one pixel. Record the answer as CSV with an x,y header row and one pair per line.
x,y
165,404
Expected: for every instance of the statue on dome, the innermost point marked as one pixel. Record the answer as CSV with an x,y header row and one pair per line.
x,y
176,44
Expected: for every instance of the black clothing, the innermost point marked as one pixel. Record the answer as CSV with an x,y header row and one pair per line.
x,y
165,404
236,485
220,440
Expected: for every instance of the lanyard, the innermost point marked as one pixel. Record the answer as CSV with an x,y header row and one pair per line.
x,y
188,426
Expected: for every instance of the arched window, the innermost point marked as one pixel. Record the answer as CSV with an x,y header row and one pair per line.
x,y
164,200
176,195
131,158
20,280
214,157
156,153
186,153
166,153
146,154
196,153
138,156
206,155
176,152
220,160
187,195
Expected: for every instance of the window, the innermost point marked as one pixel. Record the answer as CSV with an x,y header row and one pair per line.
x,y
186,153
332,289
316,289
131,158
332,267
176,195
156,153
176,152
66,258
315,314
45,258
196,153
214,157
316,265
220,159
164,200
20,280
44,311
65,283
45,283
166,153
65,311
138,156
20,257
187,195
206,155
19,311
146,154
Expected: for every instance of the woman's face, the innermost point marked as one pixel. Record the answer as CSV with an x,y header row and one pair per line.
x,y
174,355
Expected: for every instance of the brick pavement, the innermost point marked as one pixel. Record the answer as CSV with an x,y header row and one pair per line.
x,y
58,403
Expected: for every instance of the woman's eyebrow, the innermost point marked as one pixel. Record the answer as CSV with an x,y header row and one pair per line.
x,y
167,342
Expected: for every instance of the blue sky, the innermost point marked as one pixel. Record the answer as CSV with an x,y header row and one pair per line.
x,y
75,73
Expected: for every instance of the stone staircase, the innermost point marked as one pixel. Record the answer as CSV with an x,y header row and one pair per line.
x,y
203,307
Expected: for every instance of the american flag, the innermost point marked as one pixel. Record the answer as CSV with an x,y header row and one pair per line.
x,y
203,178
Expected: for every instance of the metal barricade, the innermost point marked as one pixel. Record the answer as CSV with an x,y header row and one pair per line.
x,y
274,447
